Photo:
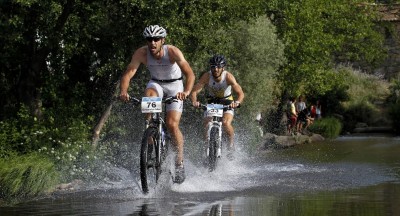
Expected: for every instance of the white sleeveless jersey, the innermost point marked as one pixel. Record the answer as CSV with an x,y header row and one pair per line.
x,y
163,69
219,89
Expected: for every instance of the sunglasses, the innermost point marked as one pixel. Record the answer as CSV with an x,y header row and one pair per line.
x,y
216,66
151,39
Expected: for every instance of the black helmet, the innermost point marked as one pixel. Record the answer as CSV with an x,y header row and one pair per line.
x,y
218,60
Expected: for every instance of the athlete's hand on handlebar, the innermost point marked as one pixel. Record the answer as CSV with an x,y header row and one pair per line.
x,y
235,104
124,97
196,104
182,95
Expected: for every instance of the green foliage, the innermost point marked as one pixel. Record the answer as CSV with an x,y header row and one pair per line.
x,y
363,92
364,87
332,93
394,88
26,133
256,64
74,159
329,127
21,135
359,112
26,176
318,35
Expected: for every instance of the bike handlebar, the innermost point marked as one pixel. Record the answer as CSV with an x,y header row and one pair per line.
x,y
204,106
136,101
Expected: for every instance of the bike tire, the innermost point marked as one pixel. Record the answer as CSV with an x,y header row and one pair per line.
x,y
213,144
149,165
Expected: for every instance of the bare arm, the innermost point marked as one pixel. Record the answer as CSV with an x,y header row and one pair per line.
x,y
137,58
178,57
198,87
230,79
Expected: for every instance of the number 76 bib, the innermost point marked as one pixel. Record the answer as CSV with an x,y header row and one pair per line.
x,y
151,104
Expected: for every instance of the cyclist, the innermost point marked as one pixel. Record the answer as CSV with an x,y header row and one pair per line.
x,y
219,84
166,64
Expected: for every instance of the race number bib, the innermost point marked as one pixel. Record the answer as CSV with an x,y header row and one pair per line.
x,y
151,105
215,110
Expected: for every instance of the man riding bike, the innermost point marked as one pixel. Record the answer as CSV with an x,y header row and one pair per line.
x,y
219,84
166,64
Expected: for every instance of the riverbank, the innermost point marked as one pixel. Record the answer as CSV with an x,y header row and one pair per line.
x,y
274,141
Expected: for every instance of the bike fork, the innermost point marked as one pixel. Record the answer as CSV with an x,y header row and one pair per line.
x,y
218,125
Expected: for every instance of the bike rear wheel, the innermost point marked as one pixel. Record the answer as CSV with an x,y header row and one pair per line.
x,y
212,147
150,168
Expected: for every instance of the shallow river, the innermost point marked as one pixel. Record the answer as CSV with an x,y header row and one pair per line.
x,y
346,176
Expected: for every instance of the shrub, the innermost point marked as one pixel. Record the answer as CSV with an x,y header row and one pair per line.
x,y
329,127
76,160
362,111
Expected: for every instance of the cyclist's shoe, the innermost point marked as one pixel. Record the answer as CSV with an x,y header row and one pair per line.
x,y
179,174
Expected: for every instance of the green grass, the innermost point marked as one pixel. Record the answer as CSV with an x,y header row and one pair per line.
x,y
26,176
329,127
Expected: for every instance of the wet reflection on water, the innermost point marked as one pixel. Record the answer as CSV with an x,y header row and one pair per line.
x,y
347,176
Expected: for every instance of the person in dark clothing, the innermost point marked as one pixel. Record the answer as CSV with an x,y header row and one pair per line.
x,y
304,120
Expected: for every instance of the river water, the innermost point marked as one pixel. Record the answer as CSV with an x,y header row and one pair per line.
x,y
345,176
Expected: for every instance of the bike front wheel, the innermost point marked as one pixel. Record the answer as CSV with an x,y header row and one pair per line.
x,y
212,147
150,168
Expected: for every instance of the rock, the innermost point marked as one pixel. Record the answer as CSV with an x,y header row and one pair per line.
x,y
275,141
316,138
75,184
285,141
361,125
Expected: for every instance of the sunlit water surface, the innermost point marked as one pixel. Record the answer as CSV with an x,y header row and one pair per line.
x,y
346,176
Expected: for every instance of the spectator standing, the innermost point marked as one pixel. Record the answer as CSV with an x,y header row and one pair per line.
x,y
291,115
300,106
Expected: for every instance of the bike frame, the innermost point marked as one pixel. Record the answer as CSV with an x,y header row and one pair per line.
x,y
214,143
216,122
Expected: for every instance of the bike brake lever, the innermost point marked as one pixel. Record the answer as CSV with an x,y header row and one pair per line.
x,y
170,99
135,101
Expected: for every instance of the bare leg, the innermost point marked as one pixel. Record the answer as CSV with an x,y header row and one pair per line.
x,y
173,118
227,125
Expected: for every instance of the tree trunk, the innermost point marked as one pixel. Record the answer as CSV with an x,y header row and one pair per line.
x,y
104,117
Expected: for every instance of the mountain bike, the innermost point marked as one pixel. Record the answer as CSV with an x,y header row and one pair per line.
x,y
214,133
155,141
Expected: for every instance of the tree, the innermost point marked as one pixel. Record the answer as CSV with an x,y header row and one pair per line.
x,y
55,53
320,34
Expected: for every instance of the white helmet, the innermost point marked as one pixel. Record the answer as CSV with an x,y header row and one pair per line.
x,y
154,31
